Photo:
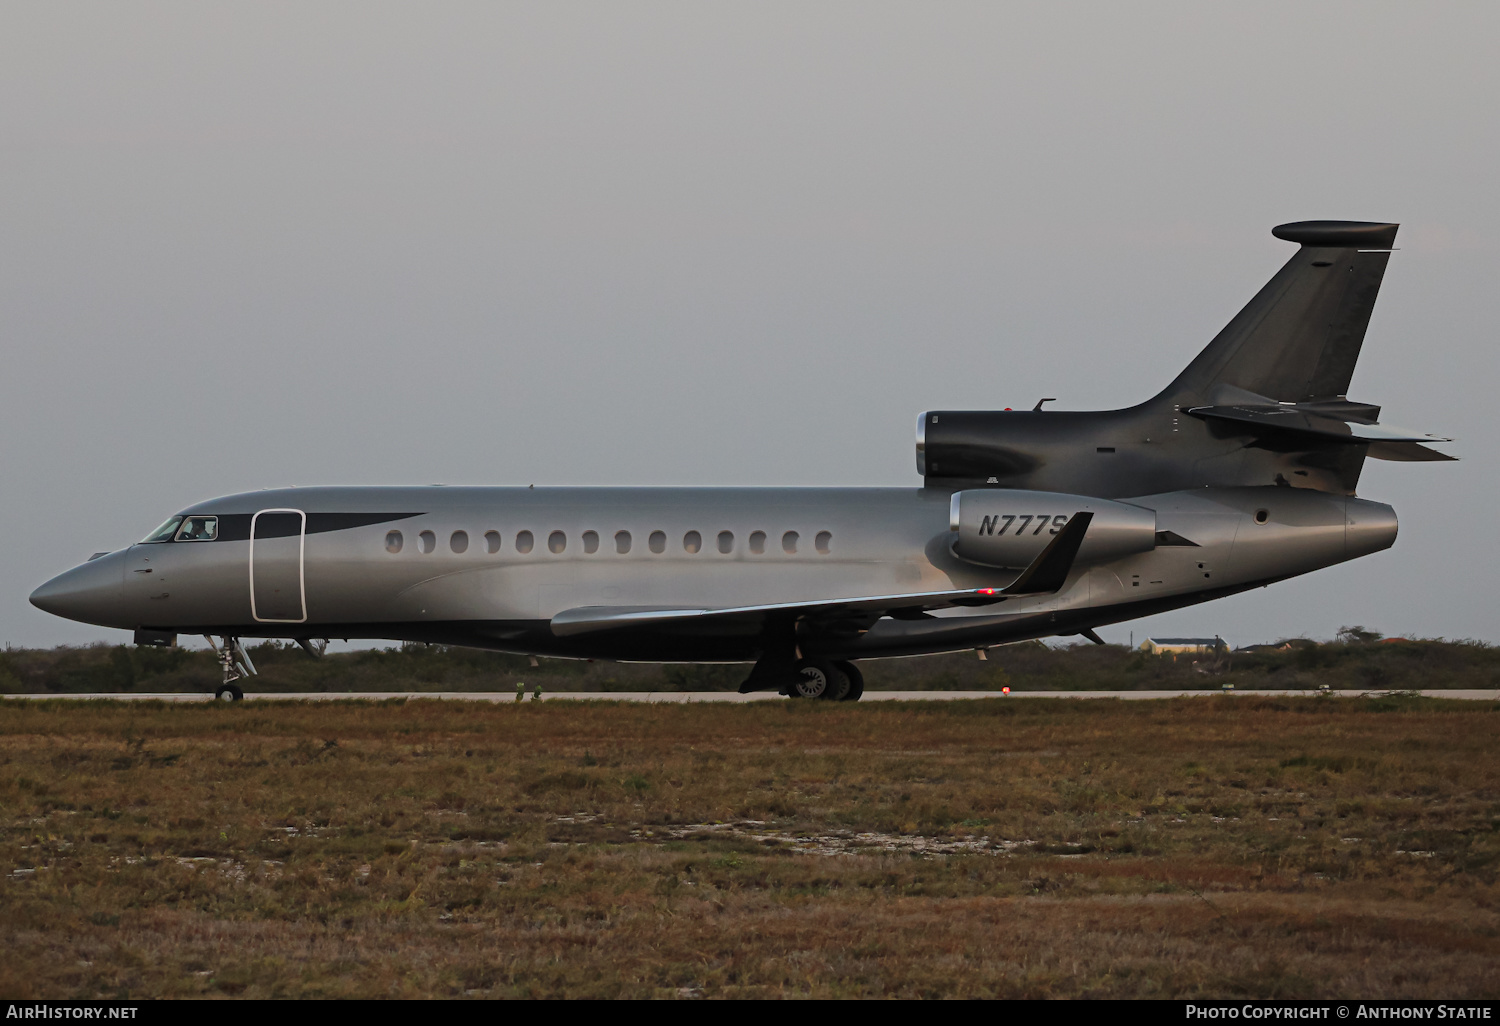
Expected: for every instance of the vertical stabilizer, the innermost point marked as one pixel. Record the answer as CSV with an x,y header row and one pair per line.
x,y
1300,337
1265,403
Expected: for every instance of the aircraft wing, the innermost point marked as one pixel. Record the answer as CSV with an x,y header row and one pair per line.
x,y
1046,575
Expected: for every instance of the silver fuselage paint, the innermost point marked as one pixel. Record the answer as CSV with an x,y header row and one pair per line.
x,y
347,582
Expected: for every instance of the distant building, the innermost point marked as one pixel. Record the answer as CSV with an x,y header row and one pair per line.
x,y
1178,646
1269,646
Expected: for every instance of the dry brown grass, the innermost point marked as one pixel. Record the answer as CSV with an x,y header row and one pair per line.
x,y
1204,847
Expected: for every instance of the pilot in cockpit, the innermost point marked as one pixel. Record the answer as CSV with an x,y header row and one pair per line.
x,y
199,529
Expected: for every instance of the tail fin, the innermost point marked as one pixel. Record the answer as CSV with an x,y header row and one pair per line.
x,y
1265,403
1300,337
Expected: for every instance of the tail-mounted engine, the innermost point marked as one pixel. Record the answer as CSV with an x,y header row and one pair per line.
x,y
1005,527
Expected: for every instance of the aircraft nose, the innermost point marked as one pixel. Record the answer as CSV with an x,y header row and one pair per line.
x,y
90,593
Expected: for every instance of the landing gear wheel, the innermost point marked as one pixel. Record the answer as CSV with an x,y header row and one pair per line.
x,y
856,681
839,685
817,680
235,663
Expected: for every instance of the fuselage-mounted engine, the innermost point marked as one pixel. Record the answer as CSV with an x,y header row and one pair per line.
x,y
1007,527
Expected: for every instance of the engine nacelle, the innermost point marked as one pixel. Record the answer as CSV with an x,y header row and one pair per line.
x,y
1006,527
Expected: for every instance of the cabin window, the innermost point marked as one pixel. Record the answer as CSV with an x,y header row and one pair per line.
x,y
758,542
556,542
726,542
492,542
524,541
393,541
459,541
789,543
692,542
199,529
591,542
823,542
658,542
622,542
164,532
1262,515
427,541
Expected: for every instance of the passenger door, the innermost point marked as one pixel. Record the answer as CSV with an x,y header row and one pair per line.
x,y
277,590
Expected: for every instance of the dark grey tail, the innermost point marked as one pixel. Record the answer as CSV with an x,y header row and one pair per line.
x,y
1300,337
1264,404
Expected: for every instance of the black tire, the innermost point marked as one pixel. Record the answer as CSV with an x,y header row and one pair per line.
x,y
838,684
817,679
856,682
229,693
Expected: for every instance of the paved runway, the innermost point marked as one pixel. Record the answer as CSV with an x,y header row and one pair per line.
x,y
1486,695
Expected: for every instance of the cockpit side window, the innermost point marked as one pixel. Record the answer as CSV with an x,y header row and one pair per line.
x,y
199,529
164,532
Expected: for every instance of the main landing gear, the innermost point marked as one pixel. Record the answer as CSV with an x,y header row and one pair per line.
x,y
236,664
835,681
781,668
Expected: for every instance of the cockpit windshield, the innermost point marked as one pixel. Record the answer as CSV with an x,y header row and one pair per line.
x,y
164,532
199,529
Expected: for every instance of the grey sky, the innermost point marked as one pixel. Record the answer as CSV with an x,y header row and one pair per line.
x,y
250,245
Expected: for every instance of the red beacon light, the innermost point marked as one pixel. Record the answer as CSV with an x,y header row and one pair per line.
x,y
1005,691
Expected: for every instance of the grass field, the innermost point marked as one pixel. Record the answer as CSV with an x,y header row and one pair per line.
x,y
1197,847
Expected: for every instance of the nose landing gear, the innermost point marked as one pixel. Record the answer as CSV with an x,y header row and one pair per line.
x,y
236,664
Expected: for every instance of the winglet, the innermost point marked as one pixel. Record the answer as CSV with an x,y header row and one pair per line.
x,y
1049,571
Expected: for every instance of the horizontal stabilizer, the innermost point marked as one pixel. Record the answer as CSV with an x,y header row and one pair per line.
x,y
1407,452
1328,422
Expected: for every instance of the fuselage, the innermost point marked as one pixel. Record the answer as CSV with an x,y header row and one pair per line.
x,y
491,567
